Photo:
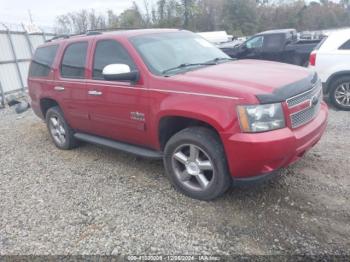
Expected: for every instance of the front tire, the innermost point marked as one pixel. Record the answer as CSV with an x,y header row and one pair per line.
x,y
195,163
62,135
340,93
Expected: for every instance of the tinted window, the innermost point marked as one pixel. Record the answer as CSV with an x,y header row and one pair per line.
x,y
110,52
73,63
42,61
345,46
273,41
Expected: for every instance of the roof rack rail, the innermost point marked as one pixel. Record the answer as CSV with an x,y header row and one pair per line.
x,y
91,32
114,29
58,37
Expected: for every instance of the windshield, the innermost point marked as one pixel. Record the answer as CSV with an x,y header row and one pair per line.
x,y
165,51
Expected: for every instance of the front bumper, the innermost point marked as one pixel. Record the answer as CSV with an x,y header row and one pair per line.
x,y
253,156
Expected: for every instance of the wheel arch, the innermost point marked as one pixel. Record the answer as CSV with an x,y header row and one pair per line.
x,y
334,77
170,124
46,103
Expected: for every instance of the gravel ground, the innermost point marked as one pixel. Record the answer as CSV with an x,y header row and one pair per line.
x,y
93,200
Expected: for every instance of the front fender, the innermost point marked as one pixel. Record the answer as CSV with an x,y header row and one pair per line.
x,y
219,113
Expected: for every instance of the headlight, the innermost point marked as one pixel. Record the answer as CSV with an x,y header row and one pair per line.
x,y
261,118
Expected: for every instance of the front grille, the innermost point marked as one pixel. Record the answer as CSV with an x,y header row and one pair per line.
x,y
295,100
306,115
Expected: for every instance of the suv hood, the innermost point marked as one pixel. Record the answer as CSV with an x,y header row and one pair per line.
x,y
268,81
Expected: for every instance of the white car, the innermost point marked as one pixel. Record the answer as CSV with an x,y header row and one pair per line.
x,y
331,60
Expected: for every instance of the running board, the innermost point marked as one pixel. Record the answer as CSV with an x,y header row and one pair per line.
x,y
135,150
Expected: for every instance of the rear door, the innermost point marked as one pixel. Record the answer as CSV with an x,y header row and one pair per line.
x,y
273,46
71,83
117,109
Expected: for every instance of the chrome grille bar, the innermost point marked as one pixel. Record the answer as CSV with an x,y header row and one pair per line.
x,y
306,115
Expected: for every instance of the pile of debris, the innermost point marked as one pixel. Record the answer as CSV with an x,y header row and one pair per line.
x,y
18,101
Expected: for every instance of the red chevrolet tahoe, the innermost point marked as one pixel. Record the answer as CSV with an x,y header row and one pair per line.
x,y
170,94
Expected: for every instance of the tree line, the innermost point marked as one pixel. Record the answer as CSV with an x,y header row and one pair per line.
x,y
237,17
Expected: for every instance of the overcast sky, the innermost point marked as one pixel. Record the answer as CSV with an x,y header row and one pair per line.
x,y
44,12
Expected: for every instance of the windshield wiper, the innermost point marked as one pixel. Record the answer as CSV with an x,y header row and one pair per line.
x,y
219,59
188,65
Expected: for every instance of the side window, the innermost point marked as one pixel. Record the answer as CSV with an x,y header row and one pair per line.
x,y
256,42
345,46
110,52
42,61
273,42
74,59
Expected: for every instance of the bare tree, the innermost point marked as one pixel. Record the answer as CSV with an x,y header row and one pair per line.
x,y
79,22
235,16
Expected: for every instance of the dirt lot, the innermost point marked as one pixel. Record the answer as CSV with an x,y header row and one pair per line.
x,y
93,200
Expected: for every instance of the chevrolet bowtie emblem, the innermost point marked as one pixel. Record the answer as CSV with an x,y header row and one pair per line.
x,y
314,101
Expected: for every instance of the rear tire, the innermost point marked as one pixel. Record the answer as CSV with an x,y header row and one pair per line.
x,y
61,133
339,93
195,163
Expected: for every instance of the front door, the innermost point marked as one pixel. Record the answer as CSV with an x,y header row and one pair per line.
x,y
117,110
252,48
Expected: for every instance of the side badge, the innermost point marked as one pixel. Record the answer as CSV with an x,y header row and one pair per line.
x,y
137,116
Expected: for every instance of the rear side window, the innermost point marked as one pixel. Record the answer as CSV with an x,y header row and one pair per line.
x,y
74,60
42,61
273,42
110,52
345,46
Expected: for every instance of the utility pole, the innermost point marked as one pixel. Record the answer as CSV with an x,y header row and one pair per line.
x,y
186,6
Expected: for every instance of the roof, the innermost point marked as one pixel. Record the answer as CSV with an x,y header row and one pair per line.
x,y
136,32
335,39
278,31
125,33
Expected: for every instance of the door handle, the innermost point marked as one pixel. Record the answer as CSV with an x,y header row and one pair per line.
x,y
59,88
94,93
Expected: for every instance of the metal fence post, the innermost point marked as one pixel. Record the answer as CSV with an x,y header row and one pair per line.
x,y
43,35
15,58
2,93
28,40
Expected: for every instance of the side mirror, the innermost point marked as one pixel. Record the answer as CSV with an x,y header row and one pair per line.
x,y
119,72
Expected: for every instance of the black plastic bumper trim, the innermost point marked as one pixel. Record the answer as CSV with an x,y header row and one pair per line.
x,y
255,180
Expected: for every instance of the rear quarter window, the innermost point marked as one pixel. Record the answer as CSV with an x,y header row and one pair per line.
x,y
319,45
345,46
42,61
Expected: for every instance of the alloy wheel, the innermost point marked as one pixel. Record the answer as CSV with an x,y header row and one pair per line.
x,y
342,94
193,167
57,130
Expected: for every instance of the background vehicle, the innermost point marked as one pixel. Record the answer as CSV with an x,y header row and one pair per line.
x,y
331,60
275,45
221,39
212,120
